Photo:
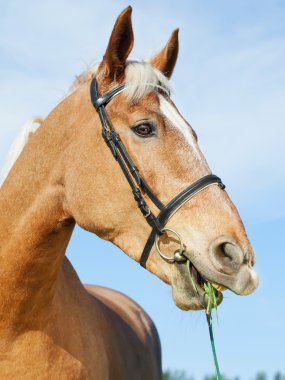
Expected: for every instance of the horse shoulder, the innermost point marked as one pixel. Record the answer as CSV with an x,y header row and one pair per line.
x,y
113,337
133,328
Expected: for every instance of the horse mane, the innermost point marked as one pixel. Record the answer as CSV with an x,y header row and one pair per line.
x,y
18,144
140,78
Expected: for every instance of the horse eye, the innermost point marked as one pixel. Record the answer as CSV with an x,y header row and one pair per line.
x,y
144,130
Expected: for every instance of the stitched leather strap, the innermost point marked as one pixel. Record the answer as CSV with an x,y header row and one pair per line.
x,y
99,101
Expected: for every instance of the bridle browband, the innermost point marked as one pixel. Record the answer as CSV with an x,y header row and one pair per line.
x,y
137,182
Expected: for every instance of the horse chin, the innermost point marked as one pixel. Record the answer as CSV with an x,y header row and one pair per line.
x,y
187,288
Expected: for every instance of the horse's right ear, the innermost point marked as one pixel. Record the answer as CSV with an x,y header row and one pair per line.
x,y
120,45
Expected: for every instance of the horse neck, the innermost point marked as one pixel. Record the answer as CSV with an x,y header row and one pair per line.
x,y
34,227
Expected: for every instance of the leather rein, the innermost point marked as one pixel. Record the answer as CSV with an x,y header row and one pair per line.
x,y
139,186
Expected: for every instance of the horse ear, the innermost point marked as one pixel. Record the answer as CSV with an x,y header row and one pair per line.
x,y
166,59
120,45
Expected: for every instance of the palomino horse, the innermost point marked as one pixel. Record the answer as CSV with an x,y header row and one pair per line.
x,y
52,327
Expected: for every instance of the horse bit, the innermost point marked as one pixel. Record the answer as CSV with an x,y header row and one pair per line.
x,y
140,186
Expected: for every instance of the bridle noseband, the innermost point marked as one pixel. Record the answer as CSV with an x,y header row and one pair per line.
x,y
139,185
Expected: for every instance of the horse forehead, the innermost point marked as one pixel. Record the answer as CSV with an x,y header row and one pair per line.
x,y
177,121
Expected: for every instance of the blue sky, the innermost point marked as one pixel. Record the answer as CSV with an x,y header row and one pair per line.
x,y
229,83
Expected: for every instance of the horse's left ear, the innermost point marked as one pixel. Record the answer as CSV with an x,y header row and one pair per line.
x,y
120,45
166,59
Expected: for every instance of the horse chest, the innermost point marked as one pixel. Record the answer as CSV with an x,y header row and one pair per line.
x,y
35,356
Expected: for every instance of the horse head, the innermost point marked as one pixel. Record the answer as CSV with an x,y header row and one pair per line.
x,y
164,148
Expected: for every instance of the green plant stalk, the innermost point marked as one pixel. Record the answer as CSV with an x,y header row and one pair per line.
x,y
212,300
209,320
212,303
192,281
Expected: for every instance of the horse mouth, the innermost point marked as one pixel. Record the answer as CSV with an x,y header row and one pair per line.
x,y
190,288
199,282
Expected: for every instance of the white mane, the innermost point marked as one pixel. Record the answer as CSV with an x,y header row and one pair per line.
x,y
140,78
18,145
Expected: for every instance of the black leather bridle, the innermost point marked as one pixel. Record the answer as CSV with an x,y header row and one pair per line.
x,y
134,178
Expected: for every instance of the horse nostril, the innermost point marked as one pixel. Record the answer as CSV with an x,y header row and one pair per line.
x,y
229,250
226,255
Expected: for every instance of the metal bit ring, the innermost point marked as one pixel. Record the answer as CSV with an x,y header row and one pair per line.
x,y
180,250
